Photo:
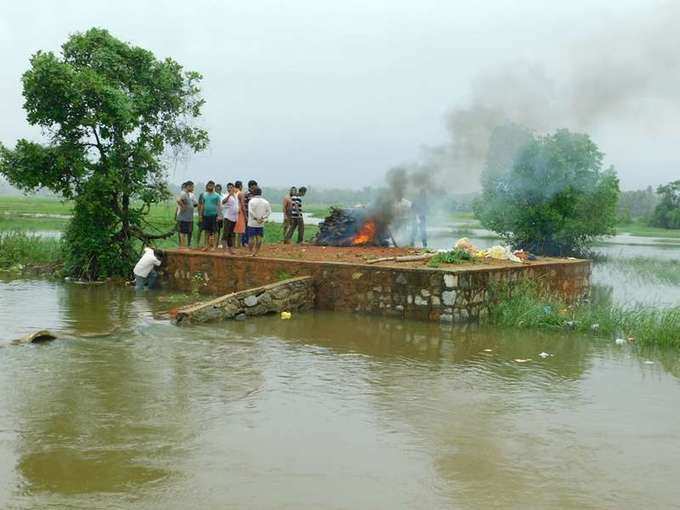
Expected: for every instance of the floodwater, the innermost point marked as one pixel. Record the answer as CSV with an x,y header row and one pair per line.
x,y
323,411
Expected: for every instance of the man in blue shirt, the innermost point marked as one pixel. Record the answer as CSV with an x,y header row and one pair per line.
x,y
211,203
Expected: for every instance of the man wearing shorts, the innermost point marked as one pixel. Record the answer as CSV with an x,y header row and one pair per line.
x,y
185,215
258,212
211,202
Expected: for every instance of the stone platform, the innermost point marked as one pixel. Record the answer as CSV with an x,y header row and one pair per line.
x,y
451,293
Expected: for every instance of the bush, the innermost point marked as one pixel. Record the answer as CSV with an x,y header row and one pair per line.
x,y
553,199
667,213
18,250
523,305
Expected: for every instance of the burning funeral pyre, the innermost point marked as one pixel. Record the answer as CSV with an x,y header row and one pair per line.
x,y
356,226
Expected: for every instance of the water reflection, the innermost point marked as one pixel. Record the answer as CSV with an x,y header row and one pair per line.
x,y
323,411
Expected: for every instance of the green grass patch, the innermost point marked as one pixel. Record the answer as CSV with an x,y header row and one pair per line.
x,y
524,306
20,251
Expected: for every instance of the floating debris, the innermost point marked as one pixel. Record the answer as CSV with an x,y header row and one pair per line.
x,y
649,362
620,341
521,360
286,315
545,355
36,337
488,350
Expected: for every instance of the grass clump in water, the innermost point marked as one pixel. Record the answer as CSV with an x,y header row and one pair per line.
x,y
524,305
19,250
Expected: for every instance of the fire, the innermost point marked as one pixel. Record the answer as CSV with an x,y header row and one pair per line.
x,y
366,234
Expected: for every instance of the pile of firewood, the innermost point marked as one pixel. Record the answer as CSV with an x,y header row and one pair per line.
x,y
342,225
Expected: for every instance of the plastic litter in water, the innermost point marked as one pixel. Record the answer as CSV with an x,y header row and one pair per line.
x,y
545,355
649,362
286,315
521,360
619,341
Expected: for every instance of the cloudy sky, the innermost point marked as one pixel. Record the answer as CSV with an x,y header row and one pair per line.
x,y
334,93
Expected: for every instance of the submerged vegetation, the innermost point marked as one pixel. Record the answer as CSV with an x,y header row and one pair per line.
x,y
20,251
525,306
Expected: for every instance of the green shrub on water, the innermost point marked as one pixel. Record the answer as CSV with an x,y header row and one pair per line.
x,y
523,305
19,249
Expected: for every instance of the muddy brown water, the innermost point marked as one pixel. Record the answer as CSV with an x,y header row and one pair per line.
x,y
321,411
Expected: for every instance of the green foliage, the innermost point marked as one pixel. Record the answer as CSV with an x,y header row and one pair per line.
x,y
110,111
636,205
667,213
455,256
545,201
523,305
19,250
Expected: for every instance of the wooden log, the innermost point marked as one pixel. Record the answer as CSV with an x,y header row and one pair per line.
x,y
404,258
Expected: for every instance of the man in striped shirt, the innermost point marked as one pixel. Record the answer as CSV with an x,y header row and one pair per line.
x,y
296,220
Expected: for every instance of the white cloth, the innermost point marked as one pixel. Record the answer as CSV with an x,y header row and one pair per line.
x,y
146,263
231,208
258,211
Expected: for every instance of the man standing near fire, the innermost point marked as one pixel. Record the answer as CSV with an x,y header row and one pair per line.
x,y
287,202
296,218
258,212
419,208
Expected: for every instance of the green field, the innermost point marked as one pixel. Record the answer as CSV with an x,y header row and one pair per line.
x,y
638,229
40,214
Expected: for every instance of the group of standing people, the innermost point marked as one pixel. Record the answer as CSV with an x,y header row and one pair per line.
x,y
230,220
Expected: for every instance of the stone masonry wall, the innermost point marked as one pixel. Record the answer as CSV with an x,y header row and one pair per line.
x,y
292,295
446,295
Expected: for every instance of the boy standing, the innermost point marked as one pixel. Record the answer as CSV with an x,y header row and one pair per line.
x,y
220,216
230,208
185,215
258,212
287,202
211,202
296,218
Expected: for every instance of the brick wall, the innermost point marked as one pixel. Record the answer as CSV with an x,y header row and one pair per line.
x,y
447,295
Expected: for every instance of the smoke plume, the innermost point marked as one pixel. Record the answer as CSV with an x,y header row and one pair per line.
x,y
627,74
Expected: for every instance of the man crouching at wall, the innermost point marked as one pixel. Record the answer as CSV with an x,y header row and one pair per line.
x,y
145,275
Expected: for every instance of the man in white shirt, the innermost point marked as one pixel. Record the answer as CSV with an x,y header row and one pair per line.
x,y
145,276
258,212
230,212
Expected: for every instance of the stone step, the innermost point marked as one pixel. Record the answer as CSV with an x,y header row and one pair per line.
x,y
291,295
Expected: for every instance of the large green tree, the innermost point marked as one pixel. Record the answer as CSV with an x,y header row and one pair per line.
x,y
553,197
667,212
111,114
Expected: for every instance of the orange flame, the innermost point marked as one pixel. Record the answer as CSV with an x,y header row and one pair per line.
x,y
366,234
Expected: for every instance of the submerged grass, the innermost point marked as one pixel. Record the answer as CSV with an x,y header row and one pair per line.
x,y
524,306
20,251
658,270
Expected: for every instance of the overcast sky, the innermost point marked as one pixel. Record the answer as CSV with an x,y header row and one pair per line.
x,y
334,93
